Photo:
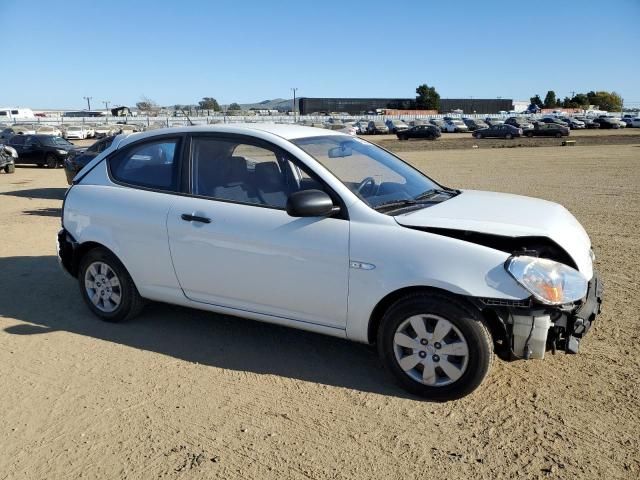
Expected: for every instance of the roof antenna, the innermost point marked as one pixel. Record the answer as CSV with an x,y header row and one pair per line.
x,y
185,114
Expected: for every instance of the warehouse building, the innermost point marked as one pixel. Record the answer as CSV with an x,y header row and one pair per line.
x,y
360,106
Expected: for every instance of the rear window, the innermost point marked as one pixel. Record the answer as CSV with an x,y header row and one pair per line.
x,y
150,165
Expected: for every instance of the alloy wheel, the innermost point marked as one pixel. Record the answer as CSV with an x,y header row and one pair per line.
x,y
102,287
431,350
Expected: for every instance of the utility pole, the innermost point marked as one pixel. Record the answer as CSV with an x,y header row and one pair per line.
x,y
106,107
88,99
294,89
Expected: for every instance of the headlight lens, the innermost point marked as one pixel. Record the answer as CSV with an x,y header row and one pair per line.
x,y
62,152
550,282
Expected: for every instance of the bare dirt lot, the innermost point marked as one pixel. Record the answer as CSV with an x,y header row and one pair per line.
x,y
178,393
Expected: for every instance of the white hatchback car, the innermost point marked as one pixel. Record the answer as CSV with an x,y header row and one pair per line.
x,y
322,231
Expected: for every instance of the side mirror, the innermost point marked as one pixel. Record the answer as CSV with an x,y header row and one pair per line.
x,y
310,203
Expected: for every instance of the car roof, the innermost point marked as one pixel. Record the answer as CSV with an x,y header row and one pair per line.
x,y
286,131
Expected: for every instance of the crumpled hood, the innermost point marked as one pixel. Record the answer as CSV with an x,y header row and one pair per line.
x,y
510,216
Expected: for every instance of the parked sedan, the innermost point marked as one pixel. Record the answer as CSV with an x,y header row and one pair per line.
x,y
77,159
49,130
498,131
492,122
609,122
554,120
103,130
427,132
573,123
455,125
42,150
77,132
396,126
270,221
474,124
635,122
361,127
519,122
6,134
9,132
588,122
548,130
438,123
25,128
376,127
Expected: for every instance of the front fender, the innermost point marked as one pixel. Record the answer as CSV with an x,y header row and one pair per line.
x,y
404,258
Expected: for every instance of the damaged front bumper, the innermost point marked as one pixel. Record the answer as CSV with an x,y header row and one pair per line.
x,y
581,320
529,330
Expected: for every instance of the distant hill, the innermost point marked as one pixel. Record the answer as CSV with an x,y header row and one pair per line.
x,y
281,104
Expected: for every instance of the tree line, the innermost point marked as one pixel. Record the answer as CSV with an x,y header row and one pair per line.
x,y
208,104
609,101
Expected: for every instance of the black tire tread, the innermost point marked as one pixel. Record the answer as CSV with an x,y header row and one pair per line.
x,y
435,297
132,297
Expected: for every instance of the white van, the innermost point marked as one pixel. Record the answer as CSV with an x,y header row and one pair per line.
x,y
8,114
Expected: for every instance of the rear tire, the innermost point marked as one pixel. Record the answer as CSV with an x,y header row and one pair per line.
x,y
558,135
416,356
107,288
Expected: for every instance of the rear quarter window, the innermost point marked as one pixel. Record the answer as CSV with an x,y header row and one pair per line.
x,y
151,165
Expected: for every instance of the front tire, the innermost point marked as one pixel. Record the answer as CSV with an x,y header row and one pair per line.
x,y
107,288
509,136
51,161
435,346
10,168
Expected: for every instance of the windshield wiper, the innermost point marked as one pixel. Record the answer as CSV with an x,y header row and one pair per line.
x,y
437,191
395,204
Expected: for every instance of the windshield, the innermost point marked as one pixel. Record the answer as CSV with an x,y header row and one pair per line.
x,y
375,175
55,141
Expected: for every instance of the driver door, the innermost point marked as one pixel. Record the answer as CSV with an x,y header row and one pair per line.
x,y
234,245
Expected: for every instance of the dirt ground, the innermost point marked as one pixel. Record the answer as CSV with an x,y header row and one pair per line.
x,y
178,393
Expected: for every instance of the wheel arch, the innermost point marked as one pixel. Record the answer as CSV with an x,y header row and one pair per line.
x,y
383,305
490,317
82,249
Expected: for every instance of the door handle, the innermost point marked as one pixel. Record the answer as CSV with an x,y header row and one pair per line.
x,y
194,218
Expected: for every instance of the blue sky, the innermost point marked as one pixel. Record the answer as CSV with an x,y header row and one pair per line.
x,y
56,52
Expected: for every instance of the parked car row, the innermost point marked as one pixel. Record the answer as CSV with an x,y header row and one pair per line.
x,y
41,150
70,132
